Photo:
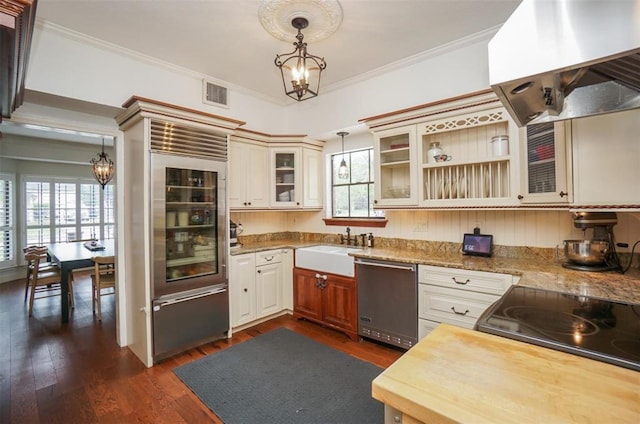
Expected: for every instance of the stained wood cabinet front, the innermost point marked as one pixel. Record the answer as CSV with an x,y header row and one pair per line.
x,y
327,299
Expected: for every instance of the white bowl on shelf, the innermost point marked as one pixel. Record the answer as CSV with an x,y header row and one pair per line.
x,y
284,196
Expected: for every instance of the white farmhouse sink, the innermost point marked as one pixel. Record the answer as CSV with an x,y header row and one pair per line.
x,y
327,258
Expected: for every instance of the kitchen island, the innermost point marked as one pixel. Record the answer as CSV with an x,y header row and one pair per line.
x,y
459,375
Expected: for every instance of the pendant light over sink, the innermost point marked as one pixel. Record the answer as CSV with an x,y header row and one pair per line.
x,y
343,170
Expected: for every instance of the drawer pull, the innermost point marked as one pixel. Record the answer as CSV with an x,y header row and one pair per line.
x,y
460,282
269,259
459,313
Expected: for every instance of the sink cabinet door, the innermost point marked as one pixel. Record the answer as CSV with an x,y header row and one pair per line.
x,y
340,303
307,297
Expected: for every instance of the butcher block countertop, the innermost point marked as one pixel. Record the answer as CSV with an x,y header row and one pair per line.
x,y
459,375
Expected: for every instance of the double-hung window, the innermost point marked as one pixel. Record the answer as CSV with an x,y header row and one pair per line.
x,y
352,197
7,220
65,210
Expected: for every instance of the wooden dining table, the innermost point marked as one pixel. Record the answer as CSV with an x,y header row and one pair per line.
x,y
74,255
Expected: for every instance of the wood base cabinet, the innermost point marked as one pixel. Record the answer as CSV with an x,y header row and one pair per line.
x,y
327,299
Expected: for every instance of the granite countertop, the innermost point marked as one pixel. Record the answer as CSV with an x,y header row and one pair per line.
x,y
534,272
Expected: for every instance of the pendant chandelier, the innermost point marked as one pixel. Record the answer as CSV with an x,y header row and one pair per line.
x,y
102,167
300,70
343,170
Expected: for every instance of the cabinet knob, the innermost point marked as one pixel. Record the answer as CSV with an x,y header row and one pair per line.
x,y
249,203
562,194
520,197
244,203
259,271
246,290
375,201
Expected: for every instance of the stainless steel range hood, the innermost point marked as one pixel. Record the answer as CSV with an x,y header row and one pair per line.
x,y
565,59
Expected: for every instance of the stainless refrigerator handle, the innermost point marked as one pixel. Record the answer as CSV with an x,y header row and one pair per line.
x,y
187,298
406,268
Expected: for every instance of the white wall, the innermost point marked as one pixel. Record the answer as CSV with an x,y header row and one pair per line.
x,y
67,64
452,70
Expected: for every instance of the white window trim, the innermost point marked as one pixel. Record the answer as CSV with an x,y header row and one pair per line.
x,y
65,180
11,262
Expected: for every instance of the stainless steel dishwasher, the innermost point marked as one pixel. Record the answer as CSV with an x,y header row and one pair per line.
x,y
388,301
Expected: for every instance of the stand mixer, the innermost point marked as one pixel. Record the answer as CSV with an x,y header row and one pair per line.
x,y
597,254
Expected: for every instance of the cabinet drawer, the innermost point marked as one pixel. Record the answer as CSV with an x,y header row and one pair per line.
x,y
479,281
425,327
268,257
453,306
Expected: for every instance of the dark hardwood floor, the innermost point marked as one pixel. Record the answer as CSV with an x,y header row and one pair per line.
x,y
76,373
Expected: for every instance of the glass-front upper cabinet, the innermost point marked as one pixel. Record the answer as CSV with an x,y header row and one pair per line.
x,y
286,177
396,169
546,172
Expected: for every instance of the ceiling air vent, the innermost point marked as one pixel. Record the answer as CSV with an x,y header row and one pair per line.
x,y
214,94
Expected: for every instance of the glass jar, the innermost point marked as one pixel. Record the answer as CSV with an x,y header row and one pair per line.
x,y
500,145
434,150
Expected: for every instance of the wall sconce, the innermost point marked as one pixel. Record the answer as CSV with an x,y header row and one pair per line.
x,y
102,167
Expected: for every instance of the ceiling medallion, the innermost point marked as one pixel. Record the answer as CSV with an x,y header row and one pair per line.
x,y
324,17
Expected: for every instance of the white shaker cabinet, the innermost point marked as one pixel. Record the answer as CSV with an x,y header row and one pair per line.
x,y
268,283
275,172
256,285
546,164
456,296
287,279
242,289
396,167
312,178
285,177
247,181
606,160
472,171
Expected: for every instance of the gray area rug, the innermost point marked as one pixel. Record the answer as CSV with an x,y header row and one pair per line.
x,y
283,377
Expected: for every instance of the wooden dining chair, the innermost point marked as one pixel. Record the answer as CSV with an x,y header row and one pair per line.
x,y
70,274
44,264
44,280
103,277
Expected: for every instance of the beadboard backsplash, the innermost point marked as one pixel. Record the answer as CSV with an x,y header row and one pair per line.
x,y
542,228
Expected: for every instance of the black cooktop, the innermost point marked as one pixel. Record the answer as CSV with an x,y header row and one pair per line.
x,y
594,328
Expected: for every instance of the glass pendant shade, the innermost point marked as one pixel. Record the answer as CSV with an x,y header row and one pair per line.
x,y
102,167
343,170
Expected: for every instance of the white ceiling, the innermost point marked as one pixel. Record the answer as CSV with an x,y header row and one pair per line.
x,y
225,40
